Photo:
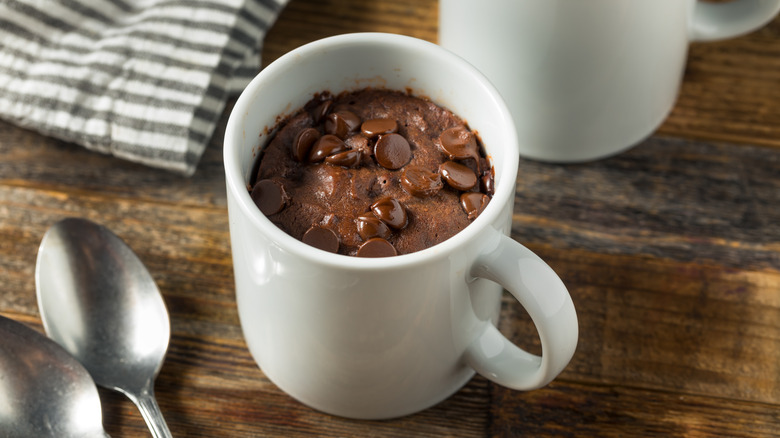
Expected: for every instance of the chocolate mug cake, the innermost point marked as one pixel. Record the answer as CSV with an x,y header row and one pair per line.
x,y
372,173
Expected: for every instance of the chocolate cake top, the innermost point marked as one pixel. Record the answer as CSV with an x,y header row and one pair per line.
x,y
372,173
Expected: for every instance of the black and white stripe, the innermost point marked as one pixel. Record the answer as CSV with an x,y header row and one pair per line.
x,y
145,80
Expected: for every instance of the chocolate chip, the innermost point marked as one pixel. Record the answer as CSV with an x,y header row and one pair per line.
x,y
474,203
459,143
341,123
376,247
322,110
487,183
303,143
376,127
350,158
392,151
391,212
269,196
327,145
457,175
420,182
369,226
322,238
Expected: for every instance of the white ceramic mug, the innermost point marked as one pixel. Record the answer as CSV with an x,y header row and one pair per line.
x,y
381,338
586,79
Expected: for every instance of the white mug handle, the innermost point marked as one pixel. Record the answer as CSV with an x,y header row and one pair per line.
x,y
542,293
717,21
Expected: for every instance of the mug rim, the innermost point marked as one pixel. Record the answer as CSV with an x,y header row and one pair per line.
x,y
504,190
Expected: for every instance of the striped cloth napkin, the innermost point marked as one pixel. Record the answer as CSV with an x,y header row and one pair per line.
x,y
144,80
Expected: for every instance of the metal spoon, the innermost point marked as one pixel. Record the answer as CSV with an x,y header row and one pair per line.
x,y
98,301
44,391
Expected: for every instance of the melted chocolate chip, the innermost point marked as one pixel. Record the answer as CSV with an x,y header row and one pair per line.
x,y
459,143
487,183
369,226
269,196
421,182
391,212
376,247
392,151
322,238
474,203
322,110
350,158
457,175
341,123
303,143
327,145
376,127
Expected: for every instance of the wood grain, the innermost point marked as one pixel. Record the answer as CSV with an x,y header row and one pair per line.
x,y
566,409
731,91
305,21
671,252
667,197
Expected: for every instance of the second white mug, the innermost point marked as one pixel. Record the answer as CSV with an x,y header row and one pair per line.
x,y
586,79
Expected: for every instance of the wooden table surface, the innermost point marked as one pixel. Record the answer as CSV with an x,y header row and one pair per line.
x,y
671,252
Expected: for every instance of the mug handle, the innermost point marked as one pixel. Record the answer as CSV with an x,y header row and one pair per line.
x,y
542,293
717,21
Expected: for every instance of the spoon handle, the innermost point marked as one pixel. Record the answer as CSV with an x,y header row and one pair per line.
x,y
147,404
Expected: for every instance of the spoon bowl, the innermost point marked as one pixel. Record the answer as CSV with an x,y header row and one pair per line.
x,y
98,301
44,391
